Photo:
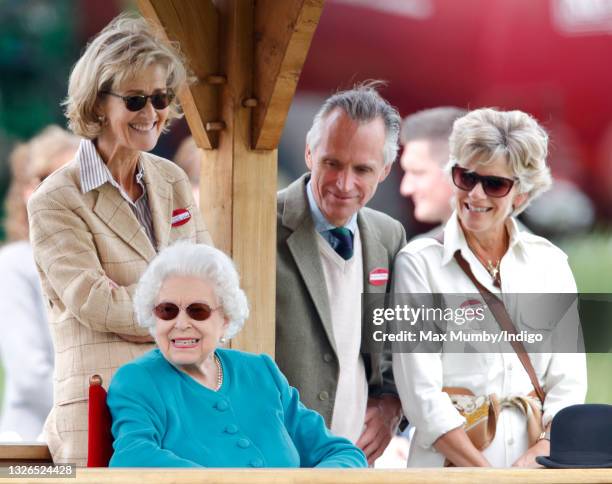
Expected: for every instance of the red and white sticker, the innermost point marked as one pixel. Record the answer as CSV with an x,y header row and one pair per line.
x,y
180,216
379,276
471,303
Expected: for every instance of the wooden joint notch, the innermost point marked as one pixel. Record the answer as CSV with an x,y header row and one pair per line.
x,y
215,79
215,126
250,102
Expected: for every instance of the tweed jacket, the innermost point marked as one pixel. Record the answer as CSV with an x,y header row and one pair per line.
x,y
90,251
305,346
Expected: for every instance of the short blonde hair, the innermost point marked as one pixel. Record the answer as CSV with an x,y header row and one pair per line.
x,y
483,135
30,163
123,48
47,148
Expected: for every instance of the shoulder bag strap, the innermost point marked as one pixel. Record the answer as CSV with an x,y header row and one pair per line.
x,y
498,309
502,317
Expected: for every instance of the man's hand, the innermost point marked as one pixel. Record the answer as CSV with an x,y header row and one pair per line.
x,y
541,447
381,420
136,339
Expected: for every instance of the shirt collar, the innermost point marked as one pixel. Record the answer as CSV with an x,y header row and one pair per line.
x,y
94,172
454,238
320,222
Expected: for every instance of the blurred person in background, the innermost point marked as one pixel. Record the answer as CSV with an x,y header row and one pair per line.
x,y
424,136
25,343
189,158
97,223
498,166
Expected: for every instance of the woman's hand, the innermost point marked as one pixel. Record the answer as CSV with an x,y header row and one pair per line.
x,y
541,447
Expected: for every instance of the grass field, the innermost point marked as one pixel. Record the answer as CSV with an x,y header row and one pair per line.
x,y
591,260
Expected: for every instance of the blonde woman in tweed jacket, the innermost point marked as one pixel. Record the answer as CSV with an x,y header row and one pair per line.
x,y
97,223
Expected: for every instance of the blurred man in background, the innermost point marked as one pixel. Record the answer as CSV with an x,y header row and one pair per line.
x,y
424,136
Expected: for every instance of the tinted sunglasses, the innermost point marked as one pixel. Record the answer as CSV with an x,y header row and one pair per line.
x,y
196,311
135,102
494,186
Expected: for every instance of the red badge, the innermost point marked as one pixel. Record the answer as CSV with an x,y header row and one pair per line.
x,y
379,276
470,303
180,216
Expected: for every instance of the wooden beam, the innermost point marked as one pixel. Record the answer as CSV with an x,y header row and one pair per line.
x,y
234,45
238,187
283,33
195,25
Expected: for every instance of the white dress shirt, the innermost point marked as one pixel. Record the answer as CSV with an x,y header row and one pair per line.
x,y
531,265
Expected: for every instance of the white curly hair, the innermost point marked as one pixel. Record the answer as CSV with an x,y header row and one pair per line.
x,y
192,260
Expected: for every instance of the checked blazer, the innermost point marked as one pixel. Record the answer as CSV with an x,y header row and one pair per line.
x,y
90,251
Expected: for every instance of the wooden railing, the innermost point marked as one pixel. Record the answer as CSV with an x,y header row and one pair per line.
x,y
23,454
20,453
335,476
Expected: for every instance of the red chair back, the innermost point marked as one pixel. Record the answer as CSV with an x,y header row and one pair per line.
x,y
99,438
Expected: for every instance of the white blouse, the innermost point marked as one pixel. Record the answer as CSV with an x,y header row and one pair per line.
x,y
531,265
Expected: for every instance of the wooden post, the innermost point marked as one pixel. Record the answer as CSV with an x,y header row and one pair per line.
x,y
247,56
239,186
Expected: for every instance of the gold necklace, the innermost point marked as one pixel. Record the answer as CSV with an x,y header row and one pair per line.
x,y
493,268
219,372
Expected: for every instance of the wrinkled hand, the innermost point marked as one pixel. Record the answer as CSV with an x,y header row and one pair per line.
x,y
541,447
136,339
381,420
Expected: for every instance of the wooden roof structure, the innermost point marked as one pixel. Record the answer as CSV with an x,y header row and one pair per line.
x,y
247,56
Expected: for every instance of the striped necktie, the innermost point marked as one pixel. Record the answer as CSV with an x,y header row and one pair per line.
x,y
344,248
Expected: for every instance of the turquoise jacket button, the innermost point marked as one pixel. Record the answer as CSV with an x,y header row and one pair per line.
x,y
256,462
231,429
243,443
222,406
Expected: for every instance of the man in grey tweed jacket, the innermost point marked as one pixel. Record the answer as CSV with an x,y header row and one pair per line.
x,y
321,218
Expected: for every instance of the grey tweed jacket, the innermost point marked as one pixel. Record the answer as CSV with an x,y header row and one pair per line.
x,y
305,346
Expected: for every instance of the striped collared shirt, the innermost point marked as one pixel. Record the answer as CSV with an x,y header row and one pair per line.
x,y
95,173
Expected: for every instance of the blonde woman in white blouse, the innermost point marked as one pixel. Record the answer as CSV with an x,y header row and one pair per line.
x,y
498,165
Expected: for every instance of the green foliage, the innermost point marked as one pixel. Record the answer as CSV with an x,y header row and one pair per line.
x,y
590,257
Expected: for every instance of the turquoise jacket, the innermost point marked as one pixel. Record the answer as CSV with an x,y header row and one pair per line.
x,y
163,418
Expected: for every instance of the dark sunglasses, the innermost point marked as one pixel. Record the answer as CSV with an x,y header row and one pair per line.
x,y
196,311
494,186
135,102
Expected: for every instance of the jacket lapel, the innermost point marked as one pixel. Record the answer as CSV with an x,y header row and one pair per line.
x,y
303,246
374,257
116,213
159,192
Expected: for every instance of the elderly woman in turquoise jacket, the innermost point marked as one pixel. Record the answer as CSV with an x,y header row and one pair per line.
x,y
189,403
